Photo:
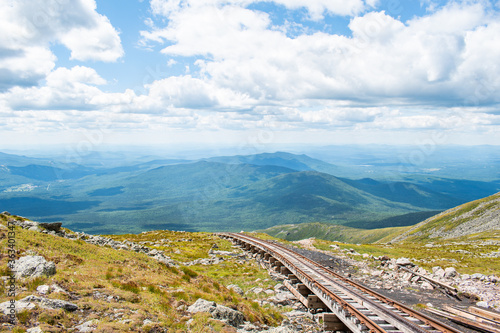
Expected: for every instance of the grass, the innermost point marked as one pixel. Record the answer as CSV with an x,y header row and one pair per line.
x,y
452,218
444,253
331,232
141,287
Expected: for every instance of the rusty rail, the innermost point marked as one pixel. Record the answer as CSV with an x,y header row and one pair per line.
x,y
280,253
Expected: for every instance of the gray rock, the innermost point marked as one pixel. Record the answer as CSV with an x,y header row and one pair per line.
x,y
147,322
19,306
228,315
482,304
56,289
202,305
435,269
282,298
477,276
55,226
33,266
258,290
403,262
87,326
51,304
236,289
43,289
450,272
34,330
280,287
284,329
30,302
439,273
426,285
232,317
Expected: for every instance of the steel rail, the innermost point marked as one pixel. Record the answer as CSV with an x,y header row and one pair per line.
x,y
394,319
364,320
389,316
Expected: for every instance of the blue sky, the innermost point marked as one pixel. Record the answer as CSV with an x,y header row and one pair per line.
x,y
240,71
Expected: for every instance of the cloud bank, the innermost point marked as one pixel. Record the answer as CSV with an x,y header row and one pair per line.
x,y
437,71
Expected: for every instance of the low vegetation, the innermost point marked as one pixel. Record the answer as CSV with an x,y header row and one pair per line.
x,y
123,288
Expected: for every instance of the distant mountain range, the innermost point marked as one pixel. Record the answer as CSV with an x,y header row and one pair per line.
x,y
230,193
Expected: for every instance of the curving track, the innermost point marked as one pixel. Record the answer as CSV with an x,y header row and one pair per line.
x,y
355,307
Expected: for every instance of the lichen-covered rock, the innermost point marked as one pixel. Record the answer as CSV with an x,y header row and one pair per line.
x,y
223,313
236,289
450,272
87,326
403,262
30,302
50,304
54,226
33,266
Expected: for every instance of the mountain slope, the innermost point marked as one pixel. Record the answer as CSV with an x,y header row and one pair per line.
x,y
474,217
329,232
240,192
406,192
283,159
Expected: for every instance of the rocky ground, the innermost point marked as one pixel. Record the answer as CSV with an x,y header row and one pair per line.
x,y
391,277
48,297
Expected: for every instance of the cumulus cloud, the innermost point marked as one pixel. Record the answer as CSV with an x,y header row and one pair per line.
x,y
385,61
248,73
30,27
66,89
316,8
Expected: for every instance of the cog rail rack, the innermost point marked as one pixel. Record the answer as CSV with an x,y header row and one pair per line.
x,y
344,305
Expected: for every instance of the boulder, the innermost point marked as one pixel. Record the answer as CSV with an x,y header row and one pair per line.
x,y
202,305
403,262
230,316
236,289
50,304
87,326
282,298
33,266
439,273
450,272
20,306
30,302
43,289
35,330
54,226
482,304
280,287
426,285
223,313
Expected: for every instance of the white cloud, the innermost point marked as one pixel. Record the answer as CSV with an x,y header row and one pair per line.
x,y
390,75
30,27
65,89
316,8
386,61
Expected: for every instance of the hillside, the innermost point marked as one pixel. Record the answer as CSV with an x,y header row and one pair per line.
x,y
335,233
135,282
123,193
476,217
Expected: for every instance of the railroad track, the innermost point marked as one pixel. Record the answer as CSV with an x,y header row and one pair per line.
x,y
353,306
